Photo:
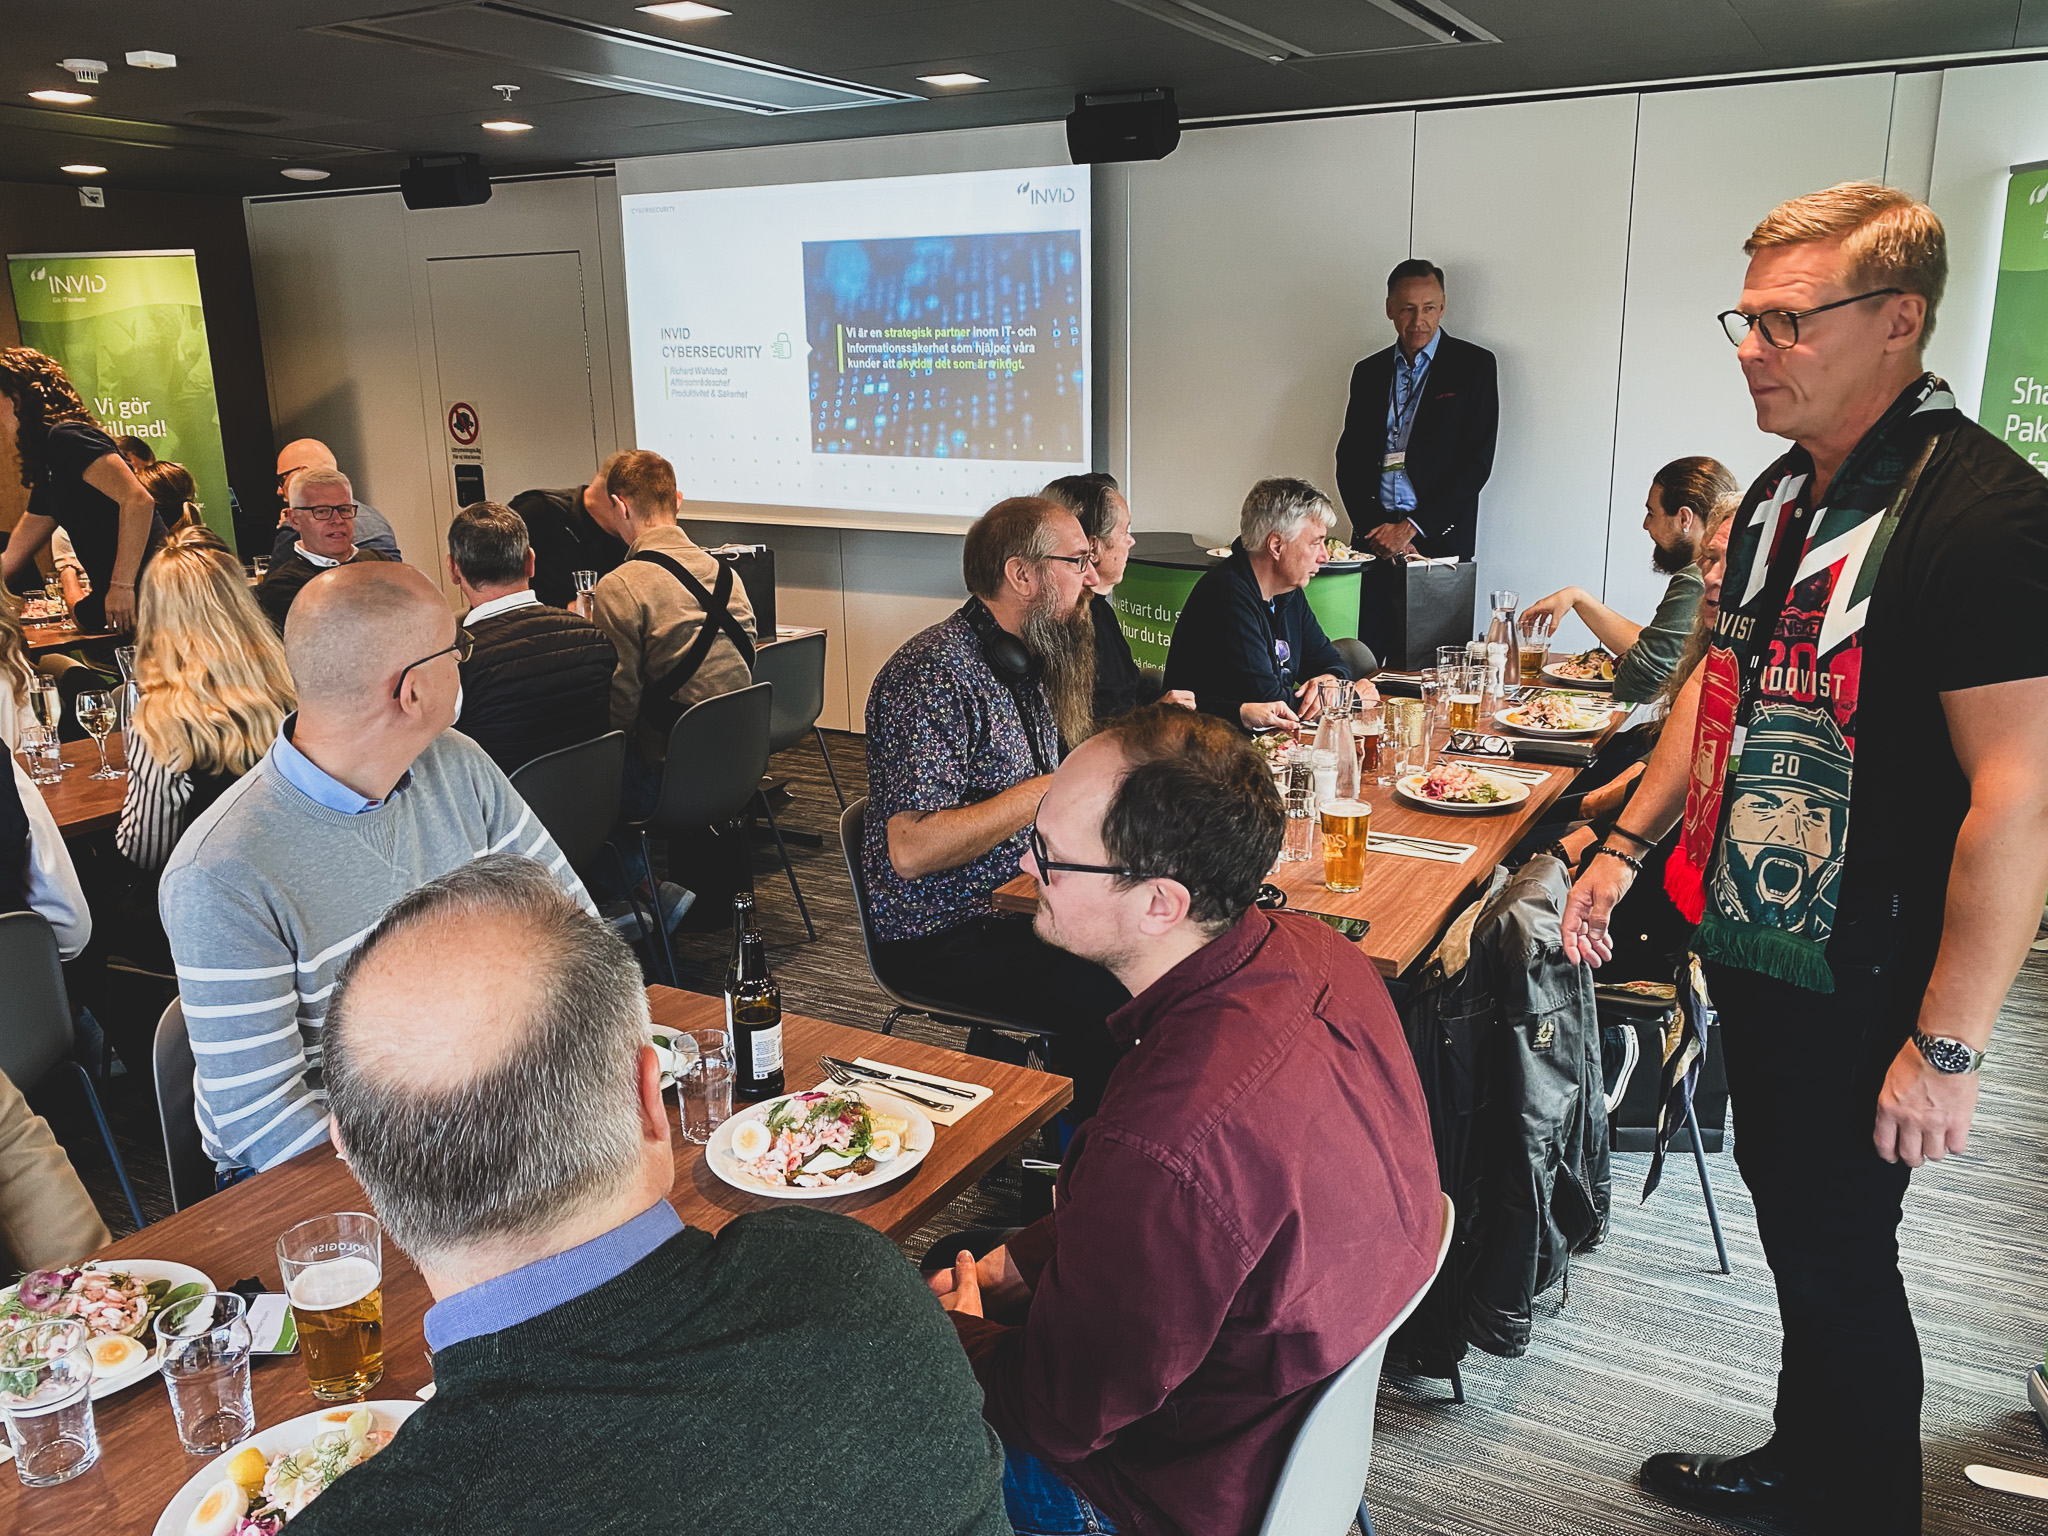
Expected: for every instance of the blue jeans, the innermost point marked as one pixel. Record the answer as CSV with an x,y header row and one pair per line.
x,y
1042,1503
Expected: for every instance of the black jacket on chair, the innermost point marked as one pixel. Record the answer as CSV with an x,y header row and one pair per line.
x,y
1450,446
564,541
538,680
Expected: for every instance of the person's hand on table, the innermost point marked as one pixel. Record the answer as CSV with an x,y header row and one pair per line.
x,y
1586,911
1923,1115
121,605
1180,696
1310,695
1553,607
1365,695
1392,538
1262,716
969,1285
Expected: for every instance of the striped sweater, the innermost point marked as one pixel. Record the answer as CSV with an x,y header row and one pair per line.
x,y
269,892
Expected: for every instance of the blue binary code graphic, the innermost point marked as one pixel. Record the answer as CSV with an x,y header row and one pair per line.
x,y
963,347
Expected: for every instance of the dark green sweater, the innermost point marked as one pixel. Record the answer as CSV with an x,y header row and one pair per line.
x,y
791,1374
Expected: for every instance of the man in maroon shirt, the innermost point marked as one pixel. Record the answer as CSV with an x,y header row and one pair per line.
x,y
1256,1197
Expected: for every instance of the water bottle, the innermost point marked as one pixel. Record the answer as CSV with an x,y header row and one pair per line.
x,y
1503,652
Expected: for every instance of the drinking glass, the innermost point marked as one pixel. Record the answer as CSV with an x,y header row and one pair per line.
x,y
97,711
1464,690
46,1398
205,1344
1298,791
1449,656
47,704
1374,760
1407,737
1431,687
1345,823
705,1090
260,565
585,581
333,1271
124,658
1537,628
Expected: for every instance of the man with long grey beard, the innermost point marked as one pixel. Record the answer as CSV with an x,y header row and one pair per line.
x,y
965,725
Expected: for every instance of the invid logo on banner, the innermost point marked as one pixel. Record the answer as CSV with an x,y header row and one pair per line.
x,y
75,288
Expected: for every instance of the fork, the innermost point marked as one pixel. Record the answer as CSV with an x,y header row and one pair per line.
x,y
848,1079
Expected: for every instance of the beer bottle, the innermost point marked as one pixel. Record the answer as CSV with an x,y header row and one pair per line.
x,y
753,1013
742,920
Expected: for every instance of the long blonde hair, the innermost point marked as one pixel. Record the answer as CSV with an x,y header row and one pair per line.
x,y
211,669
16,669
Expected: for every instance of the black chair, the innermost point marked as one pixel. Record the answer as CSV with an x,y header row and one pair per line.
x,y
1632,1118
852,829
192,1171
574,792
36,1035
717,753
1357,656
797,669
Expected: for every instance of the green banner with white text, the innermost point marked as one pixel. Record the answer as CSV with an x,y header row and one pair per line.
x,y
128,328
2015,401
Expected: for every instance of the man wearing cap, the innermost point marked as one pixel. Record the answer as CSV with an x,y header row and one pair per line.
x,y
1861,760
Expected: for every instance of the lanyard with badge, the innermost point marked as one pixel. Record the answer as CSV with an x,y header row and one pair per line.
x,y
1408,377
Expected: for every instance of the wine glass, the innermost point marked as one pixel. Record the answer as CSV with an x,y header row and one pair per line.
x,y
97,711
45,764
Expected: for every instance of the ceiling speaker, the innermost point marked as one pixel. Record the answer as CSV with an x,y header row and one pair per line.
x,y
444,181
1123,125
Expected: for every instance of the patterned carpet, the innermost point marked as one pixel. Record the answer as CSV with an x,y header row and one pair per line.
x,y
1655,1350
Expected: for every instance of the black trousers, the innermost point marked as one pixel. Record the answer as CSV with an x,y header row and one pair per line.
x,y
997,965
1804,1071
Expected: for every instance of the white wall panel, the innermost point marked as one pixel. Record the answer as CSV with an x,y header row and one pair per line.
x,y
1258,260
1544,292
1709,164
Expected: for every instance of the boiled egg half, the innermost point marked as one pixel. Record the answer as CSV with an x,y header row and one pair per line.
x,y
750,1139
115,1352
884,1145
220,1510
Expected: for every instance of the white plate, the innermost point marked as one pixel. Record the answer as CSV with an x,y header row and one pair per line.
x,y
1590,684
1504,717
292,1435
1512,791
916,1143
142,1269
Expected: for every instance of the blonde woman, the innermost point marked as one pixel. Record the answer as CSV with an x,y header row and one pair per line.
x,y
47,882
214,691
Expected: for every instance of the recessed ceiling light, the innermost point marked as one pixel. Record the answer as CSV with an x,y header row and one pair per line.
x,y
961,78
61,98
683,10
508,125
305,173
83,170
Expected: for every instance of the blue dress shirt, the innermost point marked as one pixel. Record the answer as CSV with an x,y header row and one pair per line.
x,y
1397,494
520,1295
315,782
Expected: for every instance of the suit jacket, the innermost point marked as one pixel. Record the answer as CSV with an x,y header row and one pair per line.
x,y
1450,448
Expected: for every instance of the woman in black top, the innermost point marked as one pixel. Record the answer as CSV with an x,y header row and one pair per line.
x,y
1104,515
77,481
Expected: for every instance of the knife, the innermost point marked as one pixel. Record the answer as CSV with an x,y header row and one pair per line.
x,y
2007,1482
967,1089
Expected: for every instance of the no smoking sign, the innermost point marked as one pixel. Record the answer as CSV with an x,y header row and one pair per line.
x,y
464,425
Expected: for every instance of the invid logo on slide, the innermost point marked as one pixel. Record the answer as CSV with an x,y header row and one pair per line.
x,y
1045,194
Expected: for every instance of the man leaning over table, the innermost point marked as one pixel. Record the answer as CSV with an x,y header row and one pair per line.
x,y
597,1364
365,794
1865,804
1255,1199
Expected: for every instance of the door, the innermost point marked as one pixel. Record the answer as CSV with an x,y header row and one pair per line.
x,y
512,361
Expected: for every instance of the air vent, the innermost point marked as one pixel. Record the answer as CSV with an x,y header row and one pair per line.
x,y
610,58
233,117
1317,29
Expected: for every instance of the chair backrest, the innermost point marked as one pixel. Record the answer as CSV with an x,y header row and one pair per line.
x,y
184,1154
1357,655
1323,1481
35,1010
797,669
717,753
575,793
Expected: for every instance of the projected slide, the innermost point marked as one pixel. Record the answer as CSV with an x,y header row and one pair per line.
x,y
907,344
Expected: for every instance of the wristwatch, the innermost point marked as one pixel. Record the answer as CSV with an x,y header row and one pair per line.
x,y
1946,1055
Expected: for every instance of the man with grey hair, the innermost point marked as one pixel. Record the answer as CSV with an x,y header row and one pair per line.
x,y
538,678
364,795
373,529
595,1360
1247,644
321,505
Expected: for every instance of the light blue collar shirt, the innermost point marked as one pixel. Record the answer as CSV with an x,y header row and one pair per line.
x,y
315,782
1404,395
520,1295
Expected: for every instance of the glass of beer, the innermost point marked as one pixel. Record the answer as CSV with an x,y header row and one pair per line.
x,y
1535,646
333,1269
1344,828
1464,690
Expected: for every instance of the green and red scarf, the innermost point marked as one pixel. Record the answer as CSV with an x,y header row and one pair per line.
x,y
1759,866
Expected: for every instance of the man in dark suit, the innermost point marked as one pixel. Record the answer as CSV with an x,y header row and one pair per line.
x,y
1418,435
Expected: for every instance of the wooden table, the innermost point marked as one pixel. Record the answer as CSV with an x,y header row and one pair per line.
x,y
1407,901
233,1236
80,802
43,638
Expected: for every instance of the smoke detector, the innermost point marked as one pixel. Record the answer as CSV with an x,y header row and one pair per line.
x,y
88,71
505,91
149,58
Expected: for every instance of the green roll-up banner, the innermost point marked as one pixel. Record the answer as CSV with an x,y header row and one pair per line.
x,y
2015,400
128,328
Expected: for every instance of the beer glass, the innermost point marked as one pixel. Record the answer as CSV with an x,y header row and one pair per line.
x,y
1537,629
1464,689
1344,830
333,1269
585,583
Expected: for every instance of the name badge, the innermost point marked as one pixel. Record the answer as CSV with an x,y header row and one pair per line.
x,y
1395,460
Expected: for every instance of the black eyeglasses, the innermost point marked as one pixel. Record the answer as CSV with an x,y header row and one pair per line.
x,y
1078,562
464,644
1047,865
1784,323
334,514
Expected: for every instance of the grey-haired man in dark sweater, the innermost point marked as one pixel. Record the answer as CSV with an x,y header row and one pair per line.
x,y
598,1365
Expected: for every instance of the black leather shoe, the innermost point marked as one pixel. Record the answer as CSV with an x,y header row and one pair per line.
x,y
1729,1484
